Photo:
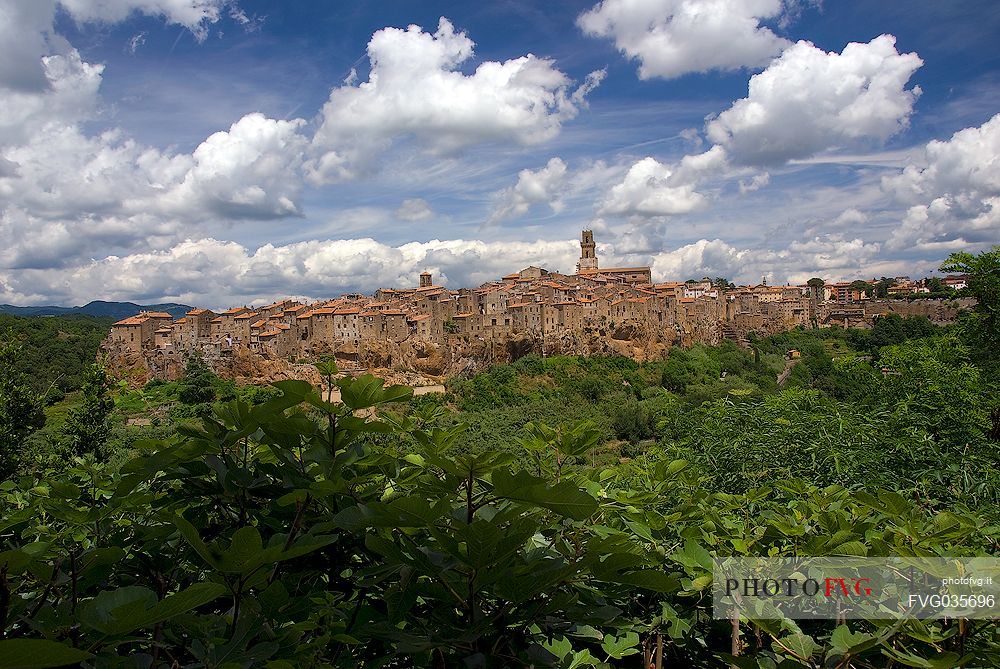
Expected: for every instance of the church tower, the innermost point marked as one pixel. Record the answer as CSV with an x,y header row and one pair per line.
x,y
588,255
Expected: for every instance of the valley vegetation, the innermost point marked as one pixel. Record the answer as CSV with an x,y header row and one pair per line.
x,y
554,512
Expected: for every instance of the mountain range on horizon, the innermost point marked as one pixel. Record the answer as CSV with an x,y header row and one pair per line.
x,y
97,308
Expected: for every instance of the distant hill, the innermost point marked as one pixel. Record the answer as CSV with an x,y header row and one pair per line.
x,y
116,310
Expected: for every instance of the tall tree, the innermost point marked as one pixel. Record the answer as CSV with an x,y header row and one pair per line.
x,y
88,425
20,407
983,282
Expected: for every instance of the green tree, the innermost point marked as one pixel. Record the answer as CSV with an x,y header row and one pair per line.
x,y
88,425
983,283
861,287
936,285
816,286
197,386
883,285
20,407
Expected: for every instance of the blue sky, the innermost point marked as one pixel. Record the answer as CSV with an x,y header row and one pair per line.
x,y
219,152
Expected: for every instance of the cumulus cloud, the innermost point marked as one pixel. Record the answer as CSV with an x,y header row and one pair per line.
x,y
757,182
69,96
110,192
249,171
415,89
702,258
543,186
195,15
808,101
850,218
831,256
67,194
651,188
671,38
954,196
24,33
220,273
414,209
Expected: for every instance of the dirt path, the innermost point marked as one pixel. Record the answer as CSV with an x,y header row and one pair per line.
x,y
787,371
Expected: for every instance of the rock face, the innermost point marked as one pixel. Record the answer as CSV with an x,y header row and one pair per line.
x,y
412,362
418,362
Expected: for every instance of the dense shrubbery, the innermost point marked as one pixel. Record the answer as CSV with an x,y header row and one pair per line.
x,y
278,536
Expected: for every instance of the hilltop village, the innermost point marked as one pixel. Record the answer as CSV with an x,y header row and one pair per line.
x,y
435,331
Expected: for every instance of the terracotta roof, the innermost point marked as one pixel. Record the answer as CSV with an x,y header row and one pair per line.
x,y
133,320
298,307
422,317
246,315
180,321
235,310
393,312
216,320
347,311
159,314
686,300
164,331
305,316
284,326
259,324
323,311
269,333
198,312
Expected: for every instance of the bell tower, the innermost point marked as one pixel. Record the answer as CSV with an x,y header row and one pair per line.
x,y
588,254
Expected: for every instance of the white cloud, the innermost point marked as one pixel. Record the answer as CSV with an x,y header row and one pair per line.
x,y
671,38
250,171
833,257
543,186
69,96
414,209
219,273
24,28
651,188
954,195
757,182
195,15
808,101
415,89
110,192
702,258
850,218
136,41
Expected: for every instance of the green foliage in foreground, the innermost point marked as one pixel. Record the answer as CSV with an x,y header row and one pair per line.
x,y
283,535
